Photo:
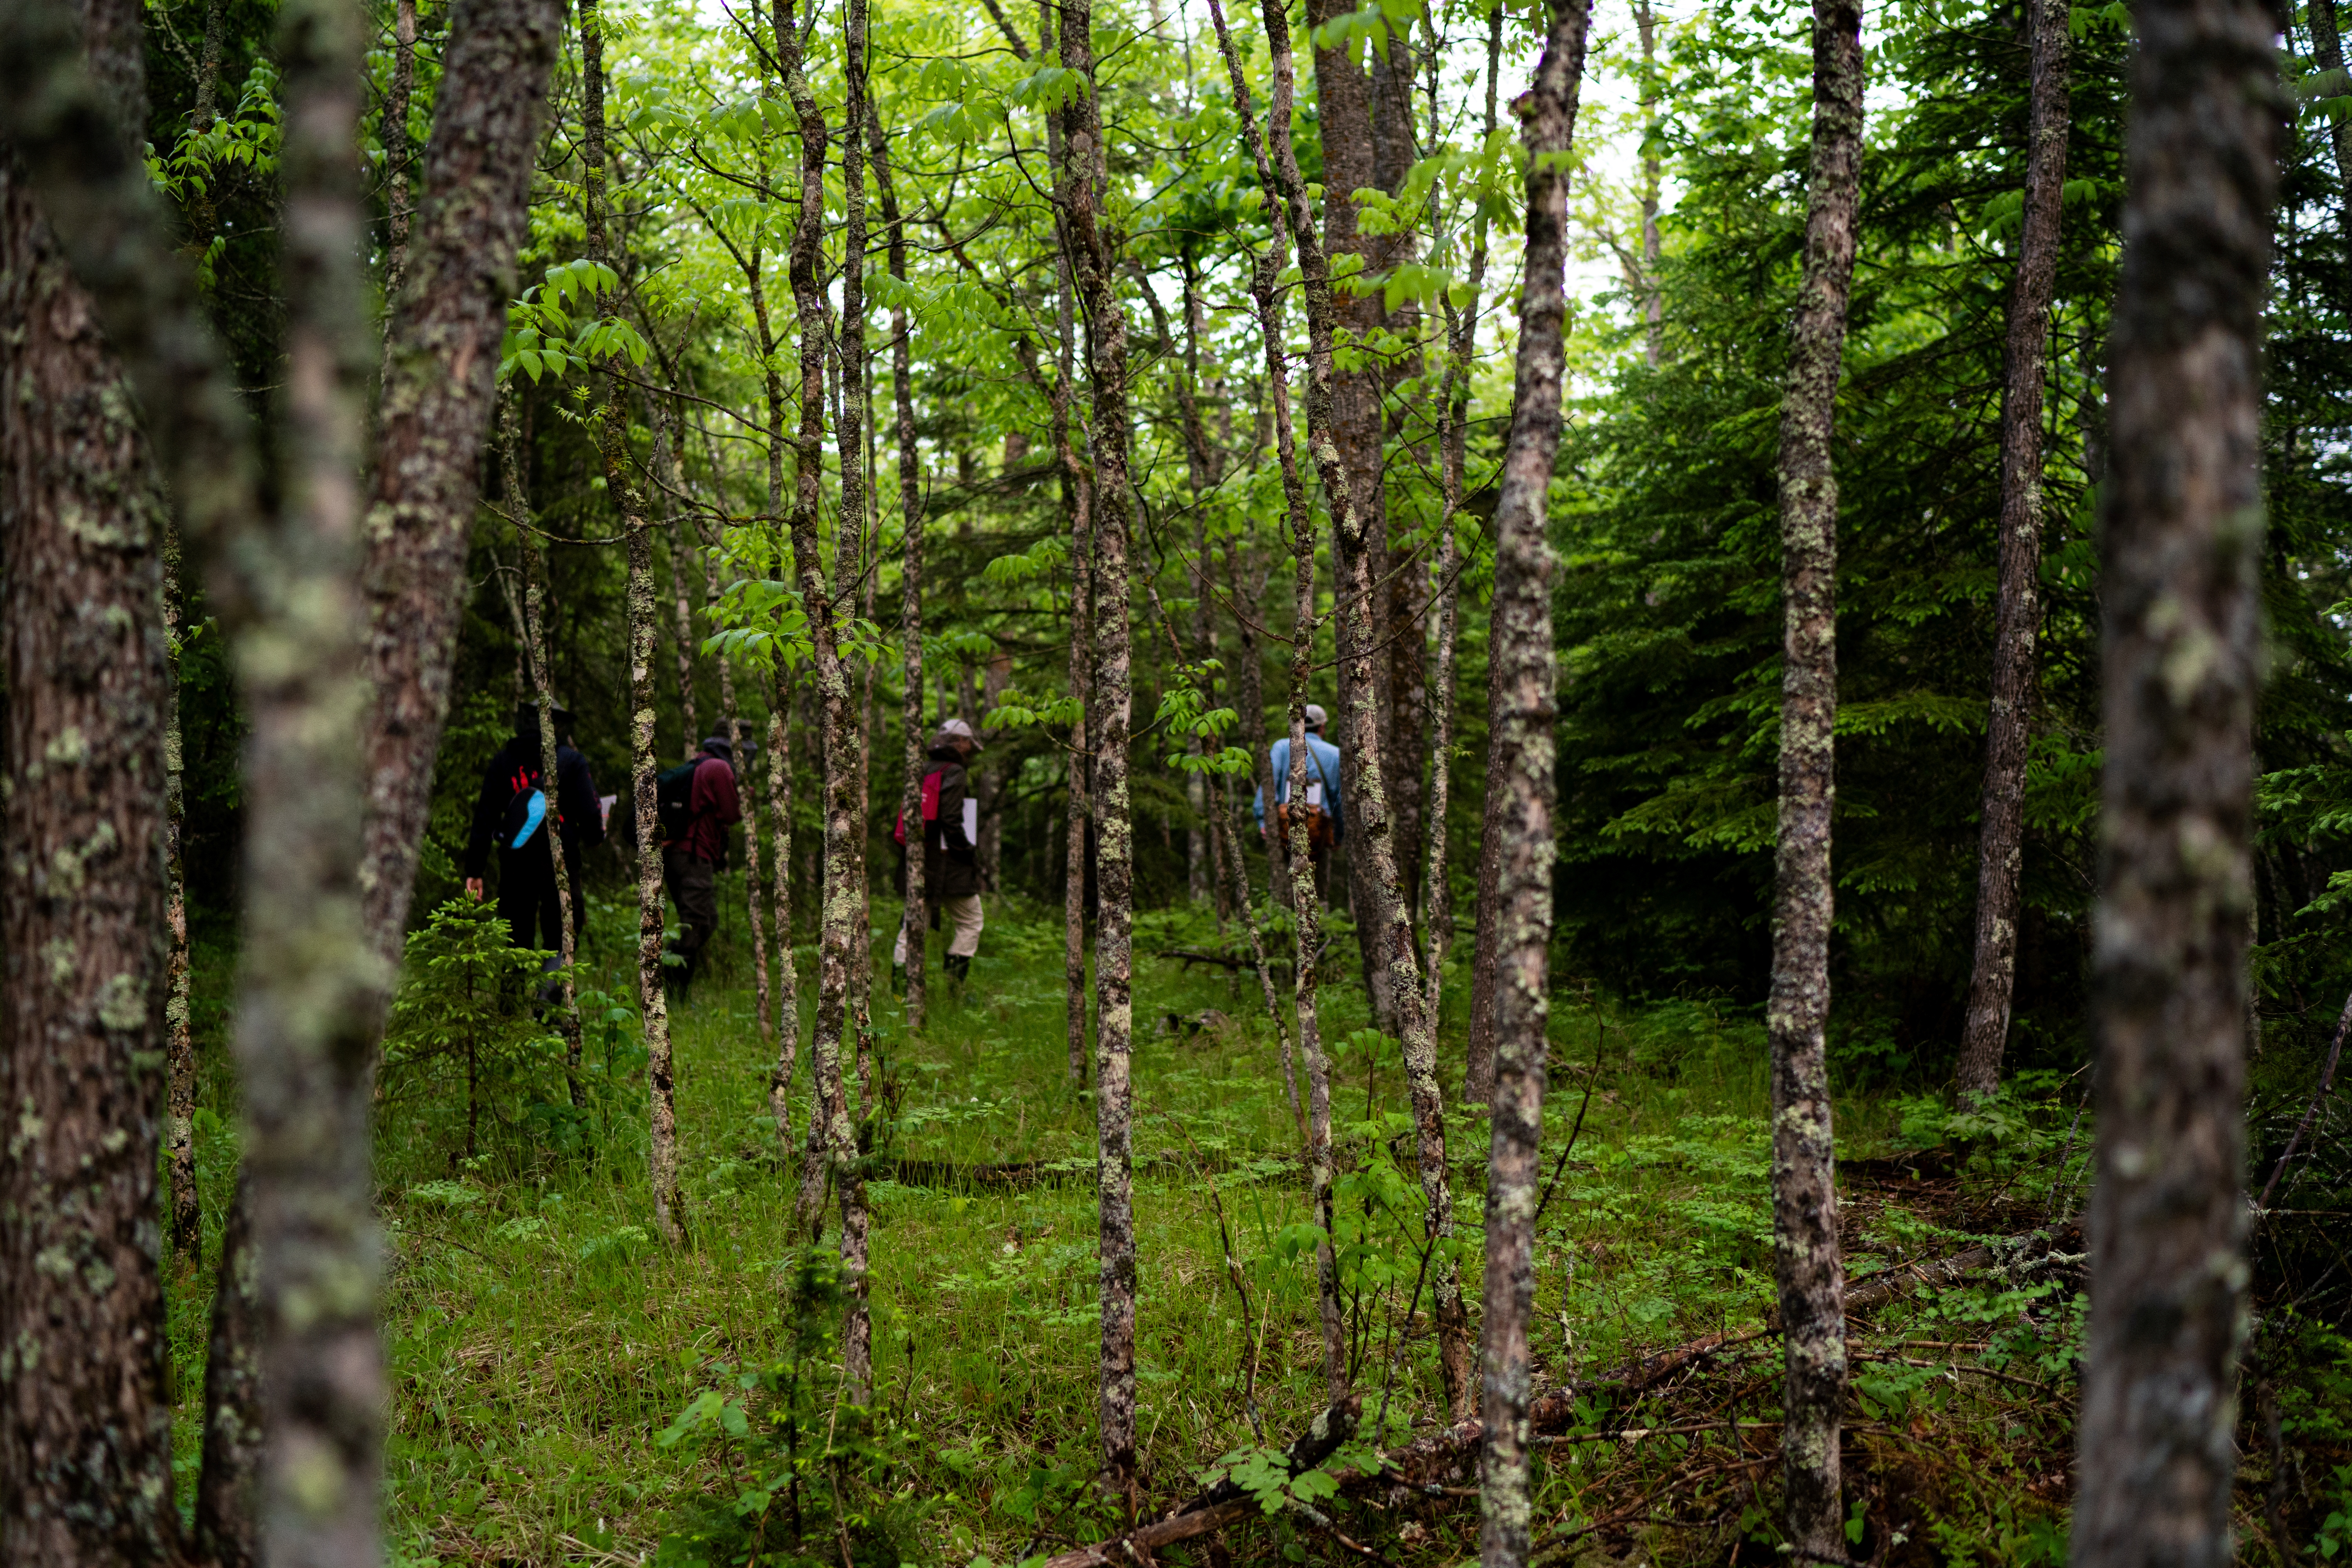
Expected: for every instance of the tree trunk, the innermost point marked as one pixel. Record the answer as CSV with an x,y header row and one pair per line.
x,y
1479,1065
2181,661
681,555
780,809
1352,424
1384,928
85,1428
440,374
846,819
2327,53
226,1505
1453,453
395,136
1526,695
1654,296
534,633
832,1141
307,1021
283,579
1079,492
913,916
1276,159
1999,845
613,448
1805,1191
180,1043
1095,264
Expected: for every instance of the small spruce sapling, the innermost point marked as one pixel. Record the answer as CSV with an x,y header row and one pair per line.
x,y
460,1009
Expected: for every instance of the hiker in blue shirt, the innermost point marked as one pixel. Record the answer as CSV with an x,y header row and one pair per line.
x,y
1326,819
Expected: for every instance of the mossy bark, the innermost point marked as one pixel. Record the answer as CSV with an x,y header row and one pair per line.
x,y
1808,1263
85,1428
2180,667
1526,699
1984,1033
440,373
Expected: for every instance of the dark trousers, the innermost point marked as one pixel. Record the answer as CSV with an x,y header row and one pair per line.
x,y
693,887
526,898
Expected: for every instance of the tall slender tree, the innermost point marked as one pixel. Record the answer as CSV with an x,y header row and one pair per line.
x,y
612,434
1809,1265
910,620
1271,152
1984,1036
1525,678
535,605
1094,267
2180,665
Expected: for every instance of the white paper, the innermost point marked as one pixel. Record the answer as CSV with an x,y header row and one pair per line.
x,y
1315,792
971,821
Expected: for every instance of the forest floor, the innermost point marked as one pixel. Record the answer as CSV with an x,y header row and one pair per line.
x,y
562,1383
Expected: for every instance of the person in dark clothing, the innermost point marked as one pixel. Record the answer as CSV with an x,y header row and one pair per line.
x,y
511,813
951,859
692,861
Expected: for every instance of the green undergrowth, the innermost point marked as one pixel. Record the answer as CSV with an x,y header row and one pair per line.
x,y
565,1389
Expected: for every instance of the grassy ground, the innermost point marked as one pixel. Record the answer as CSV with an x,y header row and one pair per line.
x,y
541,1345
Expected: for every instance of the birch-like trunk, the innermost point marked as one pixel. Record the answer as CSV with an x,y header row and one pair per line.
x,y
682,552
2181,665
534,634
1526,696
913,915
611,431
1453,453
439,389
85,1426
1079,491
1809,1267
780,825
1094,259
2018,619
1273,152
833,1140
846,819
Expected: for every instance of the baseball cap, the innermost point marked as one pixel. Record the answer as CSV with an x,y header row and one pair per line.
x,y
961,731
1316,717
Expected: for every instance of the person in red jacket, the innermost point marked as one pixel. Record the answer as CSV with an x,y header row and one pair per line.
x,y
691,862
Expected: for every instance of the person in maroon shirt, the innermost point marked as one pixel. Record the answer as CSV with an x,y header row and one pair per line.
x,y
691,862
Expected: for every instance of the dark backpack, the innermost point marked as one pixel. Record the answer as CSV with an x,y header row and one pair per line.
x,y
674,799
524,784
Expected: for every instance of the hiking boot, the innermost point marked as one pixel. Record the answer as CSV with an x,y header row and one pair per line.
x,y
959,968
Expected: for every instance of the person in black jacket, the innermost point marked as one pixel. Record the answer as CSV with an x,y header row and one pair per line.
x,y
951,859
511,813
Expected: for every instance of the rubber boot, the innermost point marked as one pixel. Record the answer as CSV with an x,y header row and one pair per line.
x,y
959,968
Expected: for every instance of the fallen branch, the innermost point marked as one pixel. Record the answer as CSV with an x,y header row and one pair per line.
x,y
1221,1504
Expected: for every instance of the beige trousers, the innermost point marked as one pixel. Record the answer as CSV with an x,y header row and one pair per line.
x,y
963,920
